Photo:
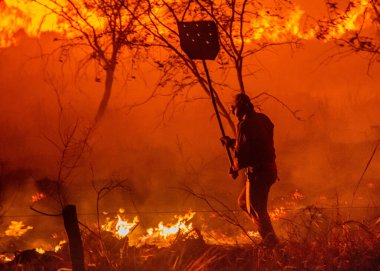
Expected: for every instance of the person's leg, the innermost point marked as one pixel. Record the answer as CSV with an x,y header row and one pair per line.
x,y
260,187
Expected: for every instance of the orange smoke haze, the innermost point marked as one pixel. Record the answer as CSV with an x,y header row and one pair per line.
x,y
157,150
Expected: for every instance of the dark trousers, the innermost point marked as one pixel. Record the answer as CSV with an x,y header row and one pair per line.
x,y
253,199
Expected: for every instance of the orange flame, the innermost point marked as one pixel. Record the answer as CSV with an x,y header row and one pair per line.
x,y
36,17
59,246
26,16
277,213
17,229
6,258
31,18
274,28
182,226
120,227
38,197
40,250
298,195
291,201
352,20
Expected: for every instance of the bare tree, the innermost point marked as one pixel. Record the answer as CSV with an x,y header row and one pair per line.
x,y
159,19
104,29
71,141
354,26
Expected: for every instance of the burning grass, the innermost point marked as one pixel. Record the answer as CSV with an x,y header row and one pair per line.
x,y
311,239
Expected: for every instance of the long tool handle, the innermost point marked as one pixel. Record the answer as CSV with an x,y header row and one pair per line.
x,y
216,109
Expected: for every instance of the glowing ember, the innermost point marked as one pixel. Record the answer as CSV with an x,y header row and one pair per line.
x,y
120,227
6,258
17,229
40,250
213,236
254,234
370,185
121,210
277,213
38,197
182,226
288,202
298,195
59,246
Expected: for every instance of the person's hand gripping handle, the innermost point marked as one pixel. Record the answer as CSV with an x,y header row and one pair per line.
x,y
229,143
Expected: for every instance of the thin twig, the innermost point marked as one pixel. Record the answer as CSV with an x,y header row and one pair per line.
x,y
364,171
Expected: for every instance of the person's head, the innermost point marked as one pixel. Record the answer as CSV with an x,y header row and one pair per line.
x,y
241,105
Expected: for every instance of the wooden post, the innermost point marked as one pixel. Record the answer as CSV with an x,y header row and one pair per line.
x,y
70,221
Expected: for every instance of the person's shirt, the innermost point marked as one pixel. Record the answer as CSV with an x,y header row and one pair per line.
x,y
254,142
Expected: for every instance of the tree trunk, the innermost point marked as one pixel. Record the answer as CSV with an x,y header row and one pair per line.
x,y
70,221
239,71
107,93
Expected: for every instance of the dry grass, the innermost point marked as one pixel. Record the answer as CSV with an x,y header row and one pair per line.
x,y
311,240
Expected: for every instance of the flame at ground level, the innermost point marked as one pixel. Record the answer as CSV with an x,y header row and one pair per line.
x,y
119,227
183,226
6,258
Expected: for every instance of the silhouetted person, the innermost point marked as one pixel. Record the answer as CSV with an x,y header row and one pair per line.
x,y
254,152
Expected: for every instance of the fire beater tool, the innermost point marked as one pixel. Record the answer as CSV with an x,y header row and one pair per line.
x,y
200,41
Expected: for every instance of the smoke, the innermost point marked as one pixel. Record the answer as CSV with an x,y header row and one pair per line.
x,y
326,153
322,155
